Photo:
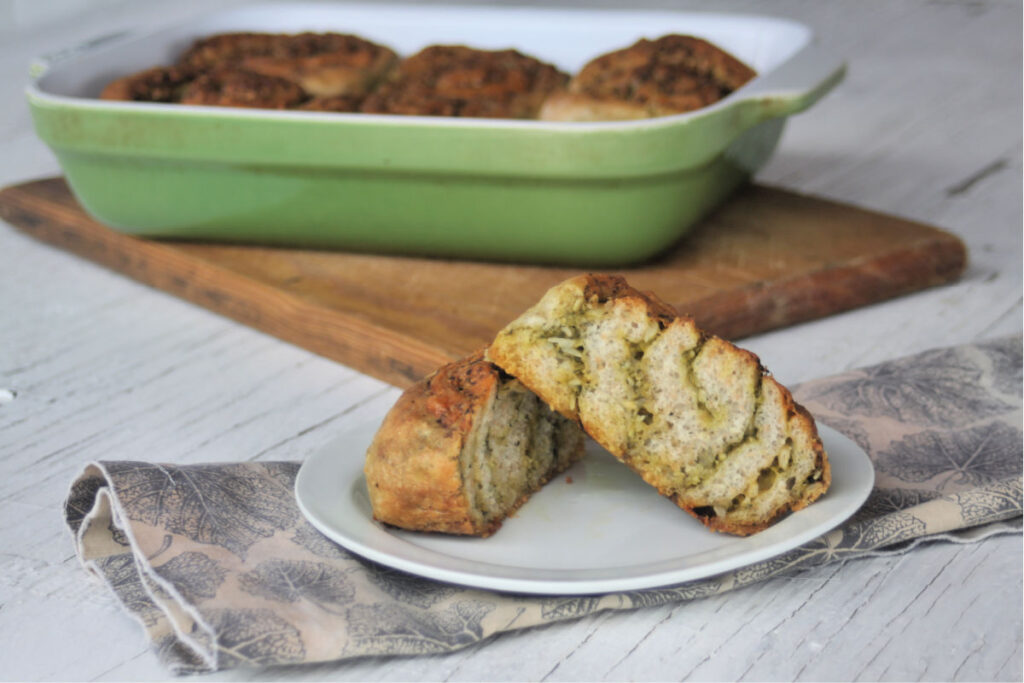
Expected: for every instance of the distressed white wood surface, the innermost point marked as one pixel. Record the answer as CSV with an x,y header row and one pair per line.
x,y
927,125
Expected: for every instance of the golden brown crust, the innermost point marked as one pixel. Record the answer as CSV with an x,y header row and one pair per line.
x,y
232,87
312,71
227,49
650,78
159,84
670,75
326,64
600,288
454,80
412,467
462,449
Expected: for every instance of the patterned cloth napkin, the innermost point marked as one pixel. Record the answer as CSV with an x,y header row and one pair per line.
x,y
223,571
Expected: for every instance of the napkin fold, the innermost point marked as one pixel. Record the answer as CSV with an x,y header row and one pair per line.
x,y
223,571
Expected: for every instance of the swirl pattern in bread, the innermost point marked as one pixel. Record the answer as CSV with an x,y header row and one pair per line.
x,y
671,75
698,418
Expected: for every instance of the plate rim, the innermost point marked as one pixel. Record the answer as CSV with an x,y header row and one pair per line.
x,y
472,573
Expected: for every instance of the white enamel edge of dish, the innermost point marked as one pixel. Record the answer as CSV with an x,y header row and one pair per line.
x,y
800,79
330,490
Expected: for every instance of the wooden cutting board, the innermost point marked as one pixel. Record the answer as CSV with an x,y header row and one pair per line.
x,y
766,259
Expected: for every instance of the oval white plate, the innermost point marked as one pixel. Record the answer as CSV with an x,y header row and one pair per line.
x,y
605,531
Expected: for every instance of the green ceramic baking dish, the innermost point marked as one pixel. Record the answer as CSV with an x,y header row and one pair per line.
x,y
588,194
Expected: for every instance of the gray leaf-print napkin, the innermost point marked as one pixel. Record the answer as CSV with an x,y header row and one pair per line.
x,y
223,571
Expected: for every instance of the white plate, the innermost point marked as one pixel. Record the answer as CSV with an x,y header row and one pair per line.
x,y
606,531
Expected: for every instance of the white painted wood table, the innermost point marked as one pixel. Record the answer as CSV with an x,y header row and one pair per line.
x,y
927,125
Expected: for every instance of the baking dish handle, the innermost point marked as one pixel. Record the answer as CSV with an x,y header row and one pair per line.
x,y
795,85
43,63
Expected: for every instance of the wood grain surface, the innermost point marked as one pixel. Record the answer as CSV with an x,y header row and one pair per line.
x,y
768,258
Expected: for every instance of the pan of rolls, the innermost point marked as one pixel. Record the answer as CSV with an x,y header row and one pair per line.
x,y
590,138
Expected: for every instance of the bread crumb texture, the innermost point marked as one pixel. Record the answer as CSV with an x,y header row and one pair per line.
x,y
462,449
698,418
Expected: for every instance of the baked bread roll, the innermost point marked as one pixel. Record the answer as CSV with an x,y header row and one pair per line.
x,y
327,64
233,87
311,71
228,49
158,84
463,448
454,80
698,418
670,75
322,64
